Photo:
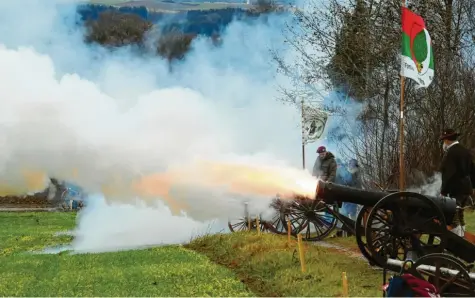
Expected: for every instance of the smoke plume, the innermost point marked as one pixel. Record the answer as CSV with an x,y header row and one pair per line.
x,y
162,155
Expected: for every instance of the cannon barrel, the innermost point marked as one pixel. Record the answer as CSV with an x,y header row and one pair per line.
x,y
331,193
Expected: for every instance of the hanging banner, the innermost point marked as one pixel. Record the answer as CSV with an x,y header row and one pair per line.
x,y
313,124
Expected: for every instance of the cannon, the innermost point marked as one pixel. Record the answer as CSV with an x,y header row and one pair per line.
x,y
450,276
394,226
248,222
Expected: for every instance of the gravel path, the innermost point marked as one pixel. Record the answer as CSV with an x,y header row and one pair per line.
x,y
343,249
346,251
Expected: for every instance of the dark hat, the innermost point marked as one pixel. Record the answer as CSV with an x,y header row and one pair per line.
x,y
321,149
448,133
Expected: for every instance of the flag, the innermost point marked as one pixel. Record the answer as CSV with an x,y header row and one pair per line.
x,y
417,58
313,124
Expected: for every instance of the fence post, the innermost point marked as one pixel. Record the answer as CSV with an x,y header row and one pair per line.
x,y
345,284
258,226
302,259
288,230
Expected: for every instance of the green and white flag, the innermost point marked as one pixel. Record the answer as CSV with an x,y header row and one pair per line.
x,y
313,124
417,61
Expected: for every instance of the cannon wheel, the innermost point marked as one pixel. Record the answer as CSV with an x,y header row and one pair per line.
x,y
242,224
360,225
275,224
448,286
393,227
311,218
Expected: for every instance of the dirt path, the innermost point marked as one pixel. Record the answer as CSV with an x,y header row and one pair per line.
x,y
340,248
346,251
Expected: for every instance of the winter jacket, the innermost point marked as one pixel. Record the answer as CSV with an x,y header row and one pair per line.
x,y
325,168
456,169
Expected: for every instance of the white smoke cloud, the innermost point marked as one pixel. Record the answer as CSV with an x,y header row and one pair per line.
x,y
100,119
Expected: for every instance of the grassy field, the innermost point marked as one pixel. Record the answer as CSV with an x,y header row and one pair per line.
x,y
237,264
254,265
164,271
271,267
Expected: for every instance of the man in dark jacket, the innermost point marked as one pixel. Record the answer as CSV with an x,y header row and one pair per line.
x,y
325,165
456,169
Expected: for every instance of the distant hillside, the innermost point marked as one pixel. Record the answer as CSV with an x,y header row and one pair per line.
x,y
207,22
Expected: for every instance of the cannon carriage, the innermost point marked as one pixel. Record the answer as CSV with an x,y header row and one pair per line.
x,y
393,227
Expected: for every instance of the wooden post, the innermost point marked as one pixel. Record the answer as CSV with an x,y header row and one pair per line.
x,y
301,255
258,226
303,134
345,284
288,230
401,140
402,179
247,215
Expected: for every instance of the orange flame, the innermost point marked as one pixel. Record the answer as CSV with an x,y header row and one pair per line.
x,y
232,178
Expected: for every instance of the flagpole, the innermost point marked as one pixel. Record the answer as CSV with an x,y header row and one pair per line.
x,y
401,132
303,136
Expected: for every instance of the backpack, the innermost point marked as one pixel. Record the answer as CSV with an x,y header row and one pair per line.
x,y
407,285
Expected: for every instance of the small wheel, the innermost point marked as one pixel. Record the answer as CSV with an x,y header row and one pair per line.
x,y
311,218
448,274
360,225
242,224
396,225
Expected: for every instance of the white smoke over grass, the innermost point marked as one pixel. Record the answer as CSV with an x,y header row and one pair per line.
x,y
202,139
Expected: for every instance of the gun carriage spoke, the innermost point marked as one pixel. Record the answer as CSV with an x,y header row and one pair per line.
x,y
399,223
309,218
448,274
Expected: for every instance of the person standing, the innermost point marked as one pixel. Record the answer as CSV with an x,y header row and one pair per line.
x,y
325,165
354,181
456,169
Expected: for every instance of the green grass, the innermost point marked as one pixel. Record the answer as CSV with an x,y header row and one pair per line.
x,y
254,265
270,267
163,271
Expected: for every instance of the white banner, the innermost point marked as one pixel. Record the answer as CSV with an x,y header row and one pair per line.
x,y
313,124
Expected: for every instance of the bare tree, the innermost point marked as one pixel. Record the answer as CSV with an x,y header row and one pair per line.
x,y
354,48
116,29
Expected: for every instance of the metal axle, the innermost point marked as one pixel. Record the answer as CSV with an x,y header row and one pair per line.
x,y
429,268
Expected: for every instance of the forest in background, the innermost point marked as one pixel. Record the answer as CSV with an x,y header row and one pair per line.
x,y
203,22
172,34
358,45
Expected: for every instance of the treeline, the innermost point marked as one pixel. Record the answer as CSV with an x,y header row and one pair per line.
x,y
194,22
359,46
168,35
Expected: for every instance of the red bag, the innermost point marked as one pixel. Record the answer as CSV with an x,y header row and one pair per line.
x,y
420,287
